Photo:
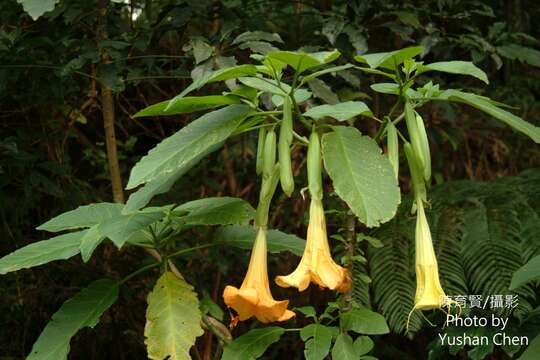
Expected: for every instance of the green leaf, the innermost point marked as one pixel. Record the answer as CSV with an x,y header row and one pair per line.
x,y
83,310
216,211
266,85
344,348
243,236
83,216
187,105
253,344
323,91
364,321
201,50
278,90
300,96
522,53
341,111
208,306
318,339
455,67
486,106
177,152
332,69
301,61
362,176
389,60
308,311
532,351
36,8
528,272
257,36
89,242
121,227
363,345
60,247
161,185
172,319
232,72
386,88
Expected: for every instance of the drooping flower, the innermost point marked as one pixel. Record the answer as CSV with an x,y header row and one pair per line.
x,y
429,292
254,297
317,264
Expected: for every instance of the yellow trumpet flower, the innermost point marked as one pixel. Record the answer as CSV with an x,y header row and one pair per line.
x,y
429,292
317,264
254,297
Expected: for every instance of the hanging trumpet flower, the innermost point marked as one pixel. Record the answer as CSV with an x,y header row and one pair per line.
x,y
316,264
429,292
254,297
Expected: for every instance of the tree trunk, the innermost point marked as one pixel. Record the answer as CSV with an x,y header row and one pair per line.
x,y
107,108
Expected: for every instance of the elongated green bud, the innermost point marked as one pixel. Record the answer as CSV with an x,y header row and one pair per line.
x,y
419,185
269,153
287,123
260,151
314,167
414,134
424,143
284,148
393,146
268,187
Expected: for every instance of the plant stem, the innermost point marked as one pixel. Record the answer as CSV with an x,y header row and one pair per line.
x,y
139,271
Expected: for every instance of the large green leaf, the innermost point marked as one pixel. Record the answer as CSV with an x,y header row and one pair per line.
x,y
455,67
364,321
83,216
528,272
362,176
253,344
172,319
344,349
301,61
215,211
162,184
318,339
341,111
57,248
90,241
232,72
121,227
177,152
390,59
36,8
187,105
484,104
243,236
83,310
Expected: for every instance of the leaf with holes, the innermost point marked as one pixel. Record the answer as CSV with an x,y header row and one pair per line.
x,y
172,319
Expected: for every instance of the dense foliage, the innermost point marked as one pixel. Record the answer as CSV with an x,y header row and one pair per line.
x,y
57,69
